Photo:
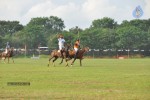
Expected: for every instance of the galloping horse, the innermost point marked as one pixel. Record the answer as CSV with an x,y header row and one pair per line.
x,y
68,56
79,55
57,54
8,55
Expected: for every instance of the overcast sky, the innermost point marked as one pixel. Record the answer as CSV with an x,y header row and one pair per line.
x,y
74,12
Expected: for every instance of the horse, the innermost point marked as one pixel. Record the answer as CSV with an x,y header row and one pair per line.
x,y
68,55
57,54
79,55
8,55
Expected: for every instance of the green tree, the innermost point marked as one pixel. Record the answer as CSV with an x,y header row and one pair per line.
x,y
38,31
1,41
34,36
75,30
54,24
104,23
146,40
129,37
142,24
98,38
9,27
47,27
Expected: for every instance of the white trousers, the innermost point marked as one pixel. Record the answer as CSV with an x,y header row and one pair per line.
x,y
6,50
76,49
61,47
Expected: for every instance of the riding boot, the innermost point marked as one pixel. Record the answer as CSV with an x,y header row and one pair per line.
x,y
67,54
75,56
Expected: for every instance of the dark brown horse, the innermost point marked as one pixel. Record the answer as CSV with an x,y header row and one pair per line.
x,y
68,55
79,55
8,55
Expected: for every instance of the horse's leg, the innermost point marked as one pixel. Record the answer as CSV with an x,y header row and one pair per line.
x,y
66,62
61,61
64,57
0,58
80,62
73,61
54,61
12,59
50,60
4,59
8,59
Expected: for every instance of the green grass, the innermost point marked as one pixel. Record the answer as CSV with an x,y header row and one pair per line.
x,y
97,79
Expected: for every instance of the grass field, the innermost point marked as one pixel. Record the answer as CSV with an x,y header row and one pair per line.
x,y
97,79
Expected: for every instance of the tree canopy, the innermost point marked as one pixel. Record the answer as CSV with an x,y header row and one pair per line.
x,y
103,33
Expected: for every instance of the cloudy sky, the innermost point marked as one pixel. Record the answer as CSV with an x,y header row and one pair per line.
x,y
74,12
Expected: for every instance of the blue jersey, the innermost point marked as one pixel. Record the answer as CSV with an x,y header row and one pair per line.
x,y
7,46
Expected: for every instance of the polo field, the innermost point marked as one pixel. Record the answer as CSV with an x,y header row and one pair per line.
x,y
96,79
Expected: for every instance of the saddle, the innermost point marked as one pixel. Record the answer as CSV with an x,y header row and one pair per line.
x,y
71,52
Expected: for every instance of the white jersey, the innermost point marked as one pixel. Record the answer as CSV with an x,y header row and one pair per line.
x,y
61,42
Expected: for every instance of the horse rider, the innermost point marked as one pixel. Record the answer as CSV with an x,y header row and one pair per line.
x,y
61,43
76,48
7,47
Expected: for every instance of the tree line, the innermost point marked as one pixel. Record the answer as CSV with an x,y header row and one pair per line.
x,y
102,34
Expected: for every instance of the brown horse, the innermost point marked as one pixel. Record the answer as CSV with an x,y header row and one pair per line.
x,y
57,54
79,55
68,56
8,55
